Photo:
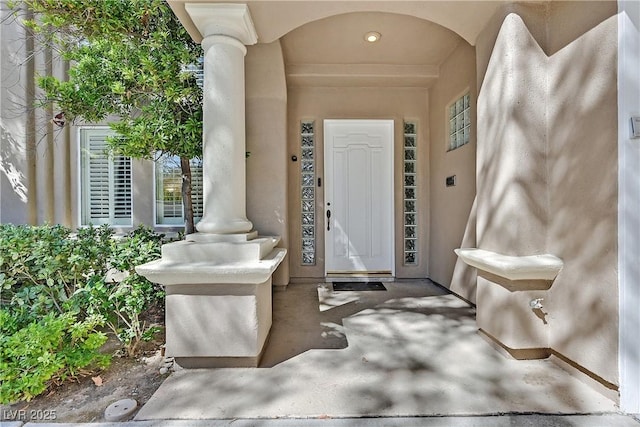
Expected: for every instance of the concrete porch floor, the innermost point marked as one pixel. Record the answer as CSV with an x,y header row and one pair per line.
x,y
411,351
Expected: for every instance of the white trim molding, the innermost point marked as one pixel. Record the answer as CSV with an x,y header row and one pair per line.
x,y
629,204
233,20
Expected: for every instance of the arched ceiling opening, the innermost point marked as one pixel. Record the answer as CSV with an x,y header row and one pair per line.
x,y
333,51
340,39
323,41
274,18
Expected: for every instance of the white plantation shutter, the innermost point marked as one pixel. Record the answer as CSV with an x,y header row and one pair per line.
x,y
169,209
122,193
106,181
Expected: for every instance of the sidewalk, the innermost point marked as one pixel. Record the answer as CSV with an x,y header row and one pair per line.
x,y
531,420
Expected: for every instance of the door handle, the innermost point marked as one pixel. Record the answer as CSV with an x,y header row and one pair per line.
x,y
328,220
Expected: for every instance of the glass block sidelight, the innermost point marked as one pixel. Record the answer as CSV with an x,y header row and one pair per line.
x,y
308,219
307,179
308,258
459,122
307,206
307,129
409,168
410,247
410,128
307,192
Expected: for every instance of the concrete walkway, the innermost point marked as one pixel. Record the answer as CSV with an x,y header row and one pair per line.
x,y
412,351
531,420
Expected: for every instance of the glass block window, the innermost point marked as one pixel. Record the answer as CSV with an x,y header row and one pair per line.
x,y
307,192
459,122
410,182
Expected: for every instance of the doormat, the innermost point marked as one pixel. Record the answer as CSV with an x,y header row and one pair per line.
x,y
358,286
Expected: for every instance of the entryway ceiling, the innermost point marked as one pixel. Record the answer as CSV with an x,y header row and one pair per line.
x,y
324,44
275,18
340,39
333,51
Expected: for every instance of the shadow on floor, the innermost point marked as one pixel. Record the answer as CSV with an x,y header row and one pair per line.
x,y
413,350
310,316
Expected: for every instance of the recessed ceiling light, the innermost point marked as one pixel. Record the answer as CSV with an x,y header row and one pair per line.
x,y
372,36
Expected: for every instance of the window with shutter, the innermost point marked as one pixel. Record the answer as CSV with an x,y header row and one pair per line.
x,y
169,209
105,185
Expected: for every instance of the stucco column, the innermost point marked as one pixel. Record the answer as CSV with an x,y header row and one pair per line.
x,y
226,29
224,175
218,281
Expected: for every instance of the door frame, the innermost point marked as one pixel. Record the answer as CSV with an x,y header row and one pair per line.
x,y
391,201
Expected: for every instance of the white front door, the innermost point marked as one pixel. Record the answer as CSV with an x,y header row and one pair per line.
x,y
358,171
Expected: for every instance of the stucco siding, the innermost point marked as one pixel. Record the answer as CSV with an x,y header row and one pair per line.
x,y
451,223
36,165
583,199
17,192
547,168
266,122
512,184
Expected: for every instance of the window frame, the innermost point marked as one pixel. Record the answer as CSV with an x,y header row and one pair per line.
x,y
466,125
156,201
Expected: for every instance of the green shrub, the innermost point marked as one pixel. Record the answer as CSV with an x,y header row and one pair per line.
x,y
53,348
56,300
123,302
42,268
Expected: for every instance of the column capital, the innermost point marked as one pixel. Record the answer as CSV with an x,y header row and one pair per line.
x,y
223,19
209,41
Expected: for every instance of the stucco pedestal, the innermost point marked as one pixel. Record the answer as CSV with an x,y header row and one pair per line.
x,y
218,305
507,317
510,299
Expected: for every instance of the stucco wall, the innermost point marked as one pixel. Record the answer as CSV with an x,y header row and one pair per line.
x,y
547,166
266,123
33,149
512,184
450,224
316,103
583,168
14,178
